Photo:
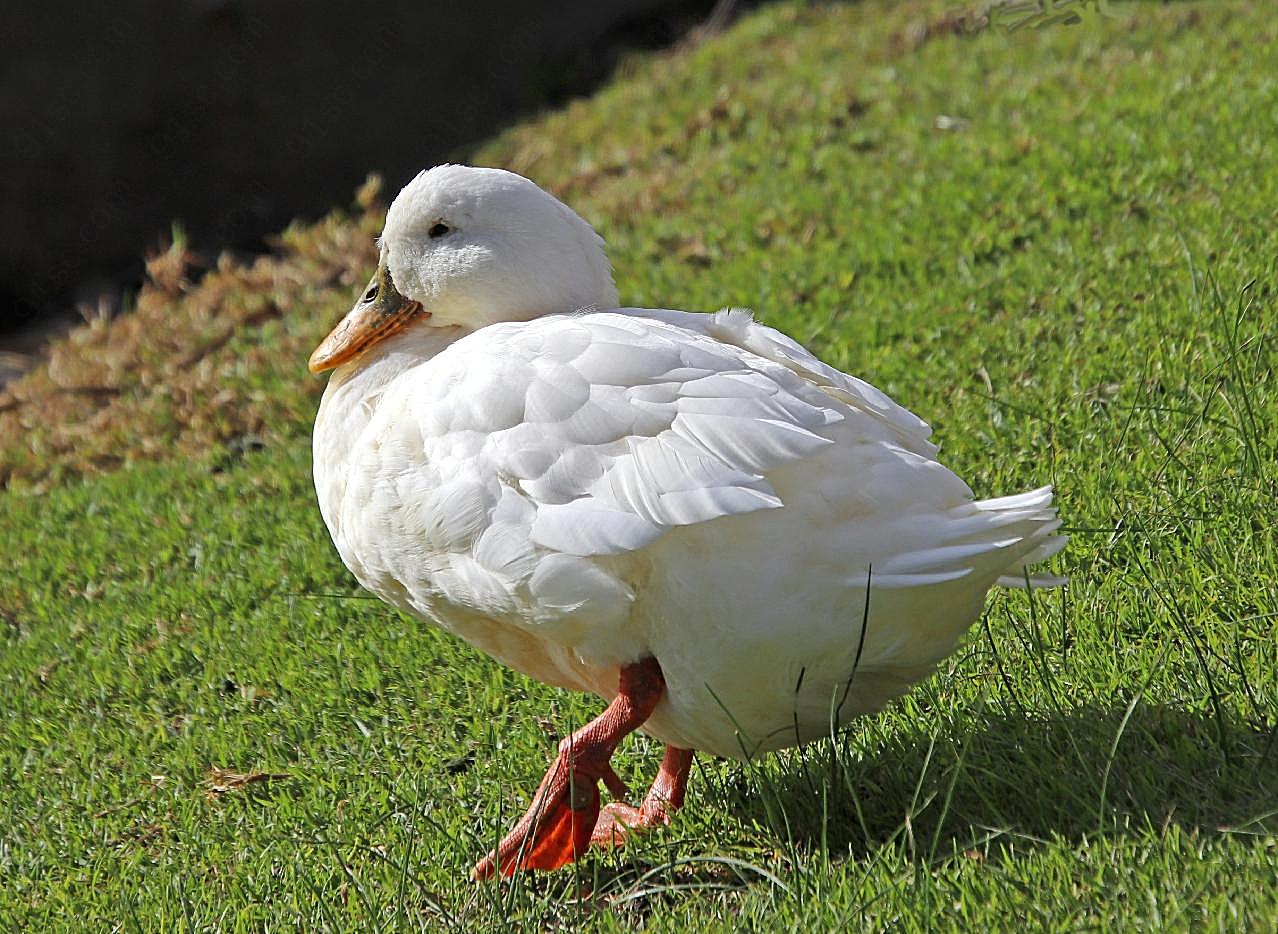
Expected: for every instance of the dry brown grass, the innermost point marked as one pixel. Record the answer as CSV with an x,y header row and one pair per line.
x,y
202,361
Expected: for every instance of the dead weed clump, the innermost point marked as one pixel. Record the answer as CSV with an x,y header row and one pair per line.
x,y
224,781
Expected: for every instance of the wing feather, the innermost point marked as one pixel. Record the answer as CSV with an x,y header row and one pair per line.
x,y
633,423
737,326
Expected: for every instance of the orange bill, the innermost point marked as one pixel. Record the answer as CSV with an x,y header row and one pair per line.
x,y
380,313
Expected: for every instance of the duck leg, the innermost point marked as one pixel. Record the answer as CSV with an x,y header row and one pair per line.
x,y
560,823
662,800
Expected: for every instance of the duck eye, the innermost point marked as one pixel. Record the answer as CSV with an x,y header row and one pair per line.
x,y
438,231
371,293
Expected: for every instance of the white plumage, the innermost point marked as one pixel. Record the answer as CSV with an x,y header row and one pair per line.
x,y
574,490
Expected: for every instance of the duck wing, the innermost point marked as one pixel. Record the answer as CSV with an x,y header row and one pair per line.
x,y
613,428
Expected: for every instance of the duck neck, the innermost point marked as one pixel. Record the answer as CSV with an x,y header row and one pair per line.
x,y
351,399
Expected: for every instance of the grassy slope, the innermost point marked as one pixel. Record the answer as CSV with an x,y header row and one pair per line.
x,y
1060,286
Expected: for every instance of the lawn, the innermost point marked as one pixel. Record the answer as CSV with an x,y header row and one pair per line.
x,y
1057,243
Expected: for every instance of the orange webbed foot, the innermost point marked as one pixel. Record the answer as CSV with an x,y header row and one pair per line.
x,y
559,824
555,831
557,827
565,818
617,821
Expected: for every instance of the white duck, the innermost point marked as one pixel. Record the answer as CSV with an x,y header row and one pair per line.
x,y
685,514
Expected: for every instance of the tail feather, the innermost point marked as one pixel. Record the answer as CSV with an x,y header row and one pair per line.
x,y
994,539
1033,513
1033,499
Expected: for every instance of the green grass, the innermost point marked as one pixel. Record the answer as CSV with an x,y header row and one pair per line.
x,y
1076,285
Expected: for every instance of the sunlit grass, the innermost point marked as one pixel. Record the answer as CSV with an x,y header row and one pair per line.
x,y
1072,277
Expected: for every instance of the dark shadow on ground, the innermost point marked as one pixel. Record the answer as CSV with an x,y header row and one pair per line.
x,y
1024,779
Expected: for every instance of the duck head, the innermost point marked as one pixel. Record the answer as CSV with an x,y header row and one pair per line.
x,y
466,247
